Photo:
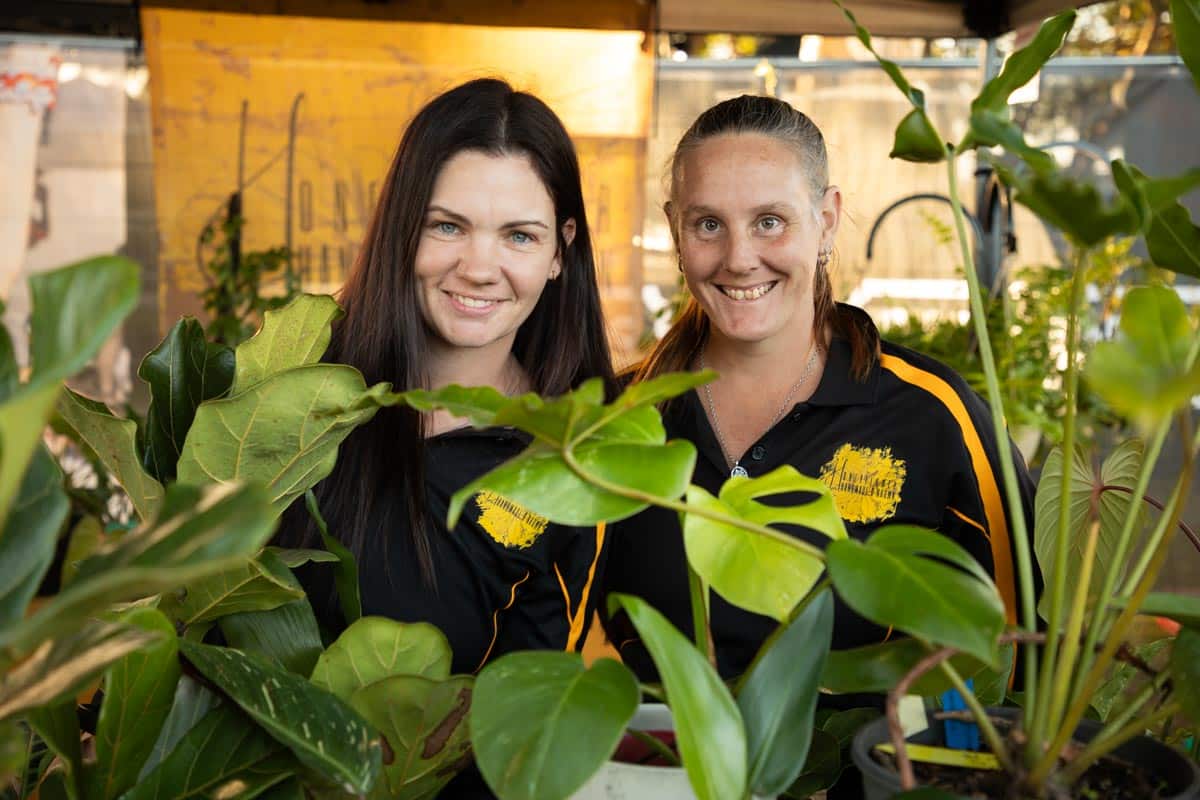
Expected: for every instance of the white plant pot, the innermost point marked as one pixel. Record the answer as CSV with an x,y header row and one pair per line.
x,y
617,781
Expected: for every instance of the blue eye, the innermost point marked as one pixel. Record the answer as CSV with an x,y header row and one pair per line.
x,y
521,237
708,225
770,223
445,228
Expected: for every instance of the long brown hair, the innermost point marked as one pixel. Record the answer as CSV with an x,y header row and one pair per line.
x,y
767,116
379,483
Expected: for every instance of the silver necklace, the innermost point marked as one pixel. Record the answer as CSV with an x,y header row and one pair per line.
x,y
738,470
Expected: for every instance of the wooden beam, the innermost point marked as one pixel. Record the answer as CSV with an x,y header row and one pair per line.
x,y
926,18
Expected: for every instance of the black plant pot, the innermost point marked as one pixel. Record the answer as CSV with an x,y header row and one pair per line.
x,y
1176,770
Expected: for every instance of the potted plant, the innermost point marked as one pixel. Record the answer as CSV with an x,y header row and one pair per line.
x,y
591,462
275,712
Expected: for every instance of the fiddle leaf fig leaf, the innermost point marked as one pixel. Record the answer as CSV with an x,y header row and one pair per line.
x,y
708,725
257,585
283,432
1149,371
182,372
292,336
542,723
30,534
748,569
115,442
922,583
375,648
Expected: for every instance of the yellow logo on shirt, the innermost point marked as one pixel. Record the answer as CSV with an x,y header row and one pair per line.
x,y
865,482
508,523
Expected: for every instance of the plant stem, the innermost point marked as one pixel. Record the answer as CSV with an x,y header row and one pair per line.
x,y
1121,626
1074,632
1024,578
655,744
1100,747
995,742
1183,526
701,634
683,508
1045,713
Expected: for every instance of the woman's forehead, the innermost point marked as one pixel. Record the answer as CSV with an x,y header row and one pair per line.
x,y
741,169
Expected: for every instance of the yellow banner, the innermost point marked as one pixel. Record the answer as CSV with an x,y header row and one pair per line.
x,y
326,101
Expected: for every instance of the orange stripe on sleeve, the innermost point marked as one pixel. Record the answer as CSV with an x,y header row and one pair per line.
x,y
988,488
581,610
496,620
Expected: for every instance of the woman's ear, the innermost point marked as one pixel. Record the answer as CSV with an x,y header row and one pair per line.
x,y
830,212
568,235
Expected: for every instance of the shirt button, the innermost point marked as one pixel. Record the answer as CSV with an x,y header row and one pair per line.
x,y
758,453
797,416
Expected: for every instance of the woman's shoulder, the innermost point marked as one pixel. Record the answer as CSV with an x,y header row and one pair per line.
x,y
932,381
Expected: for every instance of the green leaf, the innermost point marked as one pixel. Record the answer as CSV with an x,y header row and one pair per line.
x,y
424,724
708,727
779,698
62,666
324,733
10,377
115,442
192,701
1185,671
541,481
258,585
662,388
274,772
29,535
374,648
748,569
991,128
220,746
899,578
876,668
914,95
14,747
83,541
1120,469
294,557
1145,372
1112,695
917,140
75,309
1073,206
182,372
1024,64
293,336
283,432
542,723
1183,608
288,635
22,419
820,770
1185,15
138,693
1172,239
476,403
58,725
198,532
345,574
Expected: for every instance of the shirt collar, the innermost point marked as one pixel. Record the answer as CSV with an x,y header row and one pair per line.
x,y
838,386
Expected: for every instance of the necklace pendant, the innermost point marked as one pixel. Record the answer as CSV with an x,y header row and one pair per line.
x,y
738,471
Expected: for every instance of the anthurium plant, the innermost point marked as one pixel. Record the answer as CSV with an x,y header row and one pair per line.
x,y
542,723
232,437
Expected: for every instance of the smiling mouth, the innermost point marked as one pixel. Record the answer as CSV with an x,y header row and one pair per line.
x,y
472,302
748,292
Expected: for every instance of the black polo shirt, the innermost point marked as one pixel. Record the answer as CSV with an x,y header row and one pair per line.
x,y
910,444
506,578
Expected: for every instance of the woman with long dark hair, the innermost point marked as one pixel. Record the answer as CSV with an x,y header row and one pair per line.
x,y
477,269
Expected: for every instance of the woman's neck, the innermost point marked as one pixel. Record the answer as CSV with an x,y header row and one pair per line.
x,y
492,366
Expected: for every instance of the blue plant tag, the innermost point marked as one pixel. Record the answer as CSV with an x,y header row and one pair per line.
x,y
959,735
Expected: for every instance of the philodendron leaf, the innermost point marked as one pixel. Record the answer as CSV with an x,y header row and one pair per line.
x,y
748,569
192,701
22,419
1185,671
288,634
1172,239
58,725
876,668
258,585
1119,473
1073,206
59,667
1149,371
323,731
283,432
198,532
293,336
374,648
821,769
182,372
779,697
115,442
138,694
219,746
1185,14
1024,64
75,309
425,725
542,723
922,583
540,480
29,535
708,726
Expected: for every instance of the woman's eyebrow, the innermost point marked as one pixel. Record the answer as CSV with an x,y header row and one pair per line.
x,y
454,216
774,208
523,222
